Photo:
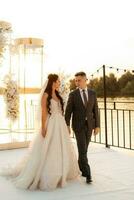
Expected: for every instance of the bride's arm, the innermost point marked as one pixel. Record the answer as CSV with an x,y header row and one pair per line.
x,y
44,113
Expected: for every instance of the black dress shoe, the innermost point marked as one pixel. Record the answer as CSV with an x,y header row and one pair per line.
x,y
88,180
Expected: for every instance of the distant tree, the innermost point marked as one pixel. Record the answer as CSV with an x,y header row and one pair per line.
x,y
124,79
129,89
100,89
97,85
112,86
93,83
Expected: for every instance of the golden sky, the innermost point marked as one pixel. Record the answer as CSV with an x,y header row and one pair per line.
x,y
78,34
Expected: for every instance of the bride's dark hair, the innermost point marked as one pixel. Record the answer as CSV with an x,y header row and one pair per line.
x,y
51,79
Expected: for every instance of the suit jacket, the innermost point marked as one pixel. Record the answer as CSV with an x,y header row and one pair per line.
x,y
80,113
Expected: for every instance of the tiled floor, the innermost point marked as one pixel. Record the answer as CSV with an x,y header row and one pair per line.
x,y
112,172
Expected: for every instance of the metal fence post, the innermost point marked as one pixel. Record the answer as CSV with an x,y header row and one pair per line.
x,y
105,105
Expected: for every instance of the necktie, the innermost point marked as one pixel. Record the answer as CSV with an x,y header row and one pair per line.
x,y
85,98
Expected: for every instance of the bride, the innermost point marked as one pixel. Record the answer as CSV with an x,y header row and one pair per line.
x,y
51,159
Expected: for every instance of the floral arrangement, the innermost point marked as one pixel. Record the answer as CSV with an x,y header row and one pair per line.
x,y
65,85
5,28
11,97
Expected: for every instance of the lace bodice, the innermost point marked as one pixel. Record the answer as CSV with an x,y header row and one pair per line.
x,y
55,107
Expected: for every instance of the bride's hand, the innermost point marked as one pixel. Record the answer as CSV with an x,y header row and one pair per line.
x,y
43,133
69,130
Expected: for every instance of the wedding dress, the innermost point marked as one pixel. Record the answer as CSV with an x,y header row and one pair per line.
x,y
50,161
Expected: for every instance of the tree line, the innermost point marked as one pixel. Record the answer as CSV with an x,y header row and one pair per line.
x,y
115,87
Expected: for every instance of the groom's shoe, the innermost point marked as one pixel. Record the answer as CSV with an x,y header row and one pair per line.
x,y
88,180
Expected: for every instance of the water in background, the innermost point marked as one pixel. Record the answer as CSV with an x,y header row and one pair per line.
x,y
24,128
120,122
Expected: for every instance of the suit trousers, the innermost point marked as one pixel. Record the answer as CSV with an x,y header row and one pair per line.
x,y
83,138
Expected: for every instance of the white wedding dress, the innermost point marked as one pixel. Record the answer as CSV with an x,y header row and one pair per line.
x,y
50,161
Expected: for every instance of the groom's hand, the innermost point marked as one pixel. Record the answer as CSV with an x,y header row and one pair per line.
x,y
69,130
96,130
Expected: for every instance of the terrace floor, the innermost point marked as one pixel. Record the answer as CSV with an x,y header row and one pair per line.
x,y
112,172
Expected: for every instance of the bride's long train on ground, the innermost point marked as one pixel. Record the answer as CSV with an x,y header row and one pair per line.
x,y
51,161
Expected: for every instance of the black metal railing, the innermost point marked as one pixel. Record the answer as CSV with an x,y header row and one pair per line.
x,y
120,128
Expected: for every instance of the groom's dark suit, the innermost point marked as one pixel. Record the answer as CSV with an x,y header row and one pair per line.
x,y
84,120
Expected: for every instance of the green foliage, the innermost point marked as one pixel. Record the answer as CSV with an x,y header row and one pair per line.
x,y
124,79
128,90
122,87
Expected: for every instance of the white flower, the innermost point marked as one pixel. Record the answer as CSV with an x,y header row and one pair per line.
x,y
5,29
65,86
11,97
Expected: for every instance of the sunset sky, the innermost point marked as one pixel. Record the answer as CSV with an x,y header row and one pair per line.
x,y
78,34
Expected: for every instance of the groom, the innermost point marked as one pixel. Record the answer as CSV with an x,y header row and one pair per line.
x,y
82,106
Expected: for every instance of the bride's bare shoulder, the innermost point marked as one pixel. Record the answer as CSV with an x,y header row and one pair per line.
x,y
45,95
